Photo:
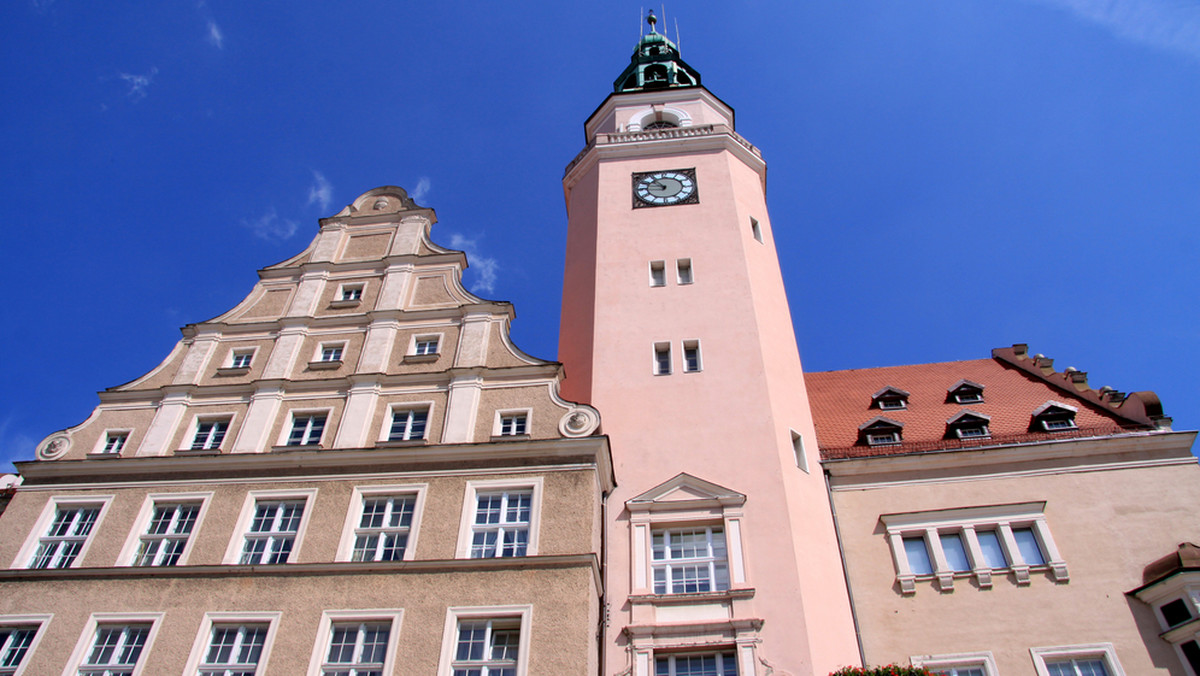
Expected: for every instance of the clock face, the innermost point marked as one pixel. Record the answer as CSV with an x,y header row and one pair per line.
x,y
664,188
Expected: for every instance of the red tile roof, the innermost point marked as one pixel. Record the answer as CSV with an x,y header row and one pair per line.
x,y
841,402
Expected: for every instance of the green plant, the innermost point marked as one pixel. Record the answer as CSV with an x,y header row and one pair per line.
x,y
887,670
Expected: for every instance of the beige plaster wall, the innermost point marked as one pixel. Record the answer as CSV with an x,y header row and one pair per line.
x,y
543,419
268,306
222,355
1107,525
499,355
372,285
184,434
309,353
84,439
447,347
331,422
365,246
381,421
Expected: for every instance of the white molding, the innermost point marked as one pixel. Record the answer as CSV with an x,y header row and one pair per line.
x,y
142,522
233,551
40,527
980,660
392,407
41,620
102,441
1104,651
345,548
394,616
509,412
470,503
286,431
189,436
524,613
204,635
88,637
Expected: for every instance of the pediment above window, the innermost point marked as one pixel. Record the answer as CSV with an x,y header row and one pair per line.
x,y
684,492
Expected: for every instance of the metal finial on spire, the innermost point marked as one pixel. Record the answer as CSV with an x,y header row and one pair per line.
x,y
651,19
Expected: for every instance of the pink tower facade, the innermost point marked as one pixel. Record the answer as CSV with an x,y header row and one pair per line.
x,y
675,324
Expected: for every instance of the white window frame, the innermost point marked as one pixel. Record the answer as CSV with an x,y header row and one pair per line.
x,y
498,423
967,522
194,429
417,338
658,350
302,413
87,639
979,660
710,560
471,501
692,345
338,345
892,403
102,442
329,618
234,353
889,438
1102,651
658,274
968,396
345,550
350,287
41,528
204,636
456,614
129,552
730,652
13,622
233,553
404,406
685,272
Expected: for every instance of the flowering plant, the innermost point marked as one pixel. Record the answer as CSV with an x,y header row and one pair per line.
x,y
887,670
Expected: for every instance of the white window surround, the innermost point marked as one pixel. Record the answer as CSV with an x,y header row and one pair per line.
x,y
42,526
102,444
726,662
1095,651
456,614
498,427
661,359
345,550
333,351
984,660
351,291
36,622
239,355
329,618
436,338
286,432
189,440
204,635
233,553
693,638
404,406
967,523
684,502
88,637
692,361
129,552
471,501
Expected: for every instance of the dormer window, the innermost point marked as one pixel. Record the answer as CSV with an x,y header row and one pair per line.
x,y
965,392
968,425
1054,416
880,431
890,399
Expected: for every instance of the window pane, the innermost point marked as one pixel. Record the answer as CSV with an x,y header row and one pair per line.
x,y
956,554
993,553
918,556
1028,545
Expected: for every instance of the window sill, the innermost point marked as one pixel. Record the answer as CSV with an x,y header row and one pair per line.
x,y
401,443
421,358
324,365
297,447
233,370
984,577
511,437
697,597
198,451
103,456
351,302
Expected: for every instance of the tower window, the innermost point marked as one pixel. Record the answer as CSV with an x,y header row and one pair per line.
x,y
661,124
756,229
691,356
658,273
683,268
662,359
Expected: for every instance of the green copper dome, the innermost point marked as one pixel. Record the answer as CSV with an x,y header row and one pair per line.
x,y
655,64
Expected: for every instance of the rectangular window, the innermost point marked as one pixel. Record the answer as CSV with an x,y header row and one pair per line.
x,y
662,359
961,664
501,524
383,529
487,647
691,356
1097,659
66,536
513,425
756,229
115,650
306,429
15,643
234,650
241,359
426,346
167,535
883,438
658,273
683,269
718,664
210,434
357,649
332,352
351,292
798,449
272,532
968,397
959,671
972,432
1028,545
408,424
918,556
114,442
689,560
1058,424
955,552
989,545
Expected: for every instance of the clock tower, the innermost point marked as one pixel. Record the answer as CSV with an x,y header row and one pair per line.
x,y
721,551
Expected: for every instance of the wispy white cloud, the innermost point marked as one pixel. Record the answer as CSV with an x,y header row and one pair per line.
x,y
1165,24
320,193
271,227
484,267
138,84
423,186
215,37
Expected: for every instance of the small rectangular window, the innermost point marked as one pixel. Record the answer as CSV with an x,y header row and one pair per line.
x,y
658,273
332,352
662,359
501,524
408,424
993,553
306,430
351,292
956,553
972,432
272,531
756,230
798,449
918,556
233,650
893,404
210,434
683,268
513,425
1027,544
691,356
882,438
114,442
968,397
1051,425
167,535
426,345
241,359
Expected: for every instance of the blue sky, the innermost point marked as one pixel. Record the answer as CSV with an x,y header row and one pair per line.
x,y
946,176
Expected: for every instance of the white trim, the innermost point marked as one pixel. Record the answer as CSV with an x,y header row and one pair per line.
x,y
682,264
693,344
233,553
497,425
102,441
422,337
189,439
204,635
454,614
345,286
1103,651
394,616
979,660
142,522
88,638
661,268
345,548
470,503
233,351
340,345
286,432
657,348
41,527
41,621
386,430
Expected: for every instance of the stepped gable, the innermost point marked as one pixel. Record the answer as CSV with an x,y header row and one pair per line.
x,y
1015,388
